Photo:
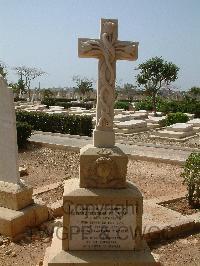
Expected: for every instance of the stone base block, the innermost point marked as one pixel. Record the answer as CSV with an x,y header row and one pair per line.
x,y
130,130
55,256
103,138
174,134
15,196
103,167
113,209
14,222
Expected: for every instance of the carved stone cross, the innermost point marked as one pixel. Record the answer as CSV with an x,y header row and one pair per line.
x,y
108,49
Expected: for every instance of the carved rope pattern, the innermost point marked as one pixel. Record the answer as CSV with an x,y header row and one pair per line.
x,y
107,80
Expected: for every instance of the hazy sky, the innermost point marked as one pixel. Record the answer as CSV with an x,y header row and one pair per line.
x,y
44,33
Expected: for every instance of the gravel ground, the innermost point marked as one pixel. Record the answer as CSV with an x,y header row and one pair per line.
x,y
183,251
46,166
30,250
144,137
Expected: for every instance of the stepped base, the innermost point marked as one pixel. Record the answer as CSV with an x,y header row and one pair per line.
x,y
55,256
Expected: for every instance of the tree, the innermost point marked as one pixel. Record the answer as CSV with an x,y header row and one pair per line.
x,y
194,92
129,90
3,70
48,97
18,87
83,85
27,74
155,73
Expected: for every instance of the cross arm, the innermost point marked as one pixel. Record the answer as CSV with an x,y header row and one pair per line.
x,y
88,48
126,50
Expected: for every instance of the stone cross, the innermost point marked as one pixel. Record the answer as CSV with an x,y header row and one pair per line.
x,y
108,49
9,168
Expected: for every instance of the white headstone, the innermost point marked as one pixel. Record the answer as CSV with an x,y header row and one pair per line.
x,y
9,168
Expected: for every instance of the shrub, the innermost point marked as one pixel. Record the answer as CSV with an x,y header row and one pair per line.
x,y
64,100
174,118
67,105
57,123
125,100
184,106
23,133
48,101
122,105
191,177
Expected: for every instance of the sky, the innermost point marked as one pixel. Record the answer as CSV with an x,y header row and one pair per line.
x,y
44,34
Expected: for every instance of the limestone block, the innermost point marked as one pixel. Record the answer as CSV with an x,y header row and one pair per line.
x,y
132,124
102,167
9,168
180,127
14,222
155,119
191,116
15,196
107,200
139,115
103,138
174,134
152,125
194,122
55,256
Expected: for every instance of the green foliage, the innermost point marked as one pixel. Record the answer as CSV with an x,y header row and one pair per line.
x,y
122,105
48,101
57,123
47,93
185,106
191,177
173,118
69,104
194,92
144,104
18,87
23,133
3,70
155,73
64,100
125,100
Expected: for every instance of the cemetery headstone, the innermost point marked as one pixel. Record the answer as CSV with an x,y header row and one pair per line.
x,y
102,222
15,195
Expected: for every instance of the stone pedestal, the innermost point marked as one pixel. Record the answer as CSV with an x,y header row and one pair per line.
x,y
15,196
18,212
55,256
103,167
103,138
100,227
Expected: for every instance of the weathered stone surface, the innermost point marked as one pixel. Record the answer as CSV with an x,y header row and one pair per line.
x,y
180,127
55,256
132,124
15,196
194,122
9,168
108,49
174,134
82,200
14,222
102,167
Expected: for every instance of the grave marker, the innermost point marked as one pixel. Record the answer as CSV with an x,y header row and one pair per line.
x,y
17,210
102,221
